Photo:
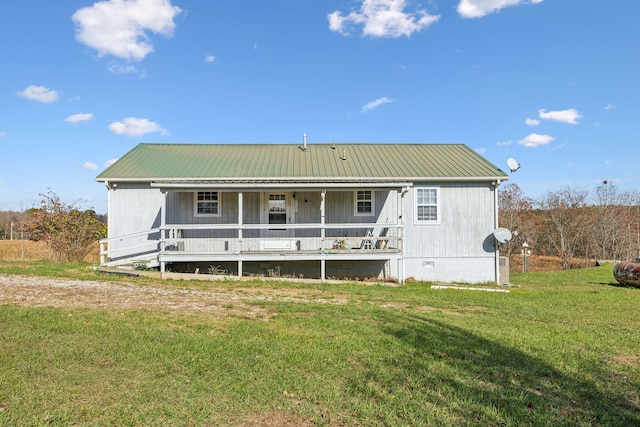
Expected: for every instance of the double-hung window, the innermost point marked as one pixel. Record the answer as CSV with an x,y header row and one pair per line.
x,y
277,208
364,202
427,205
207,203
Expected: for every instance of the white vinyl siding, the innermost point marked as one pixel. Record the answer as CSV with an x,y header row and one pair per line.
x,y
207,203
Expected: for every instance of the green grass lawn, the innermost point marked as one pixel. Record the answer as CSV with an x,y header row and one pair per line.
x,y
560,349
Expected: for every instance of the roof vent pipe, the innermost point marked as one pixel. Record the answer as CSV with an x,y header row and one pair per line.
x,y
304,142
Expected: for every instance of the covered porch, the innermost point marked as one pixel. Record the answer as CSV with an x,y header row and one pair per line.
x,y
300,227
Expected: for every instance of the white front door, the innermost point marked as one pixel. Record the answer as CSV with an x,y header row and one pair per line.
x,y
278,211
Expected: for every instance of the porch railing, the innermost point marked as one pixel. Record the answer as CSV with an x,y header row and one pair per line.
x,y
292,237
229,239
141,246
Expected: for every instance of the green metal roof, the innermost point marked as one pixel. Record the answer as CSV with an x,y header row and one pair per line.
x,y
290,162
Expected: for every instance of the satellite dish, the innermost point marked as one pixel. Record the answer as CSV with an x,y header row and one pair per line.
x,y
513,164
502,235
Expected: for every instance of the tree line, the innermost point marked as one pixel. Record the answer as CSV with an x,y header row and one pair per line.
x,y
571,223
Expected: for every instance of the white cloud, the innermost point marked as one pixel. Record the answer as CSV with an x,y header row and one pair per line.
x,y
40,94
120,27
382,18
89,166
535,140
480,150
480,8
3,134
609,107
117,68
79,118
532,122
110,162
209,58
375,104
570,116
132,126
504,143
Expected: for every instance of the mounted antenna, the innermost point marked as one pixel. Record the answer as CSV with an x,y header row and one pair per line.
x,y
513,164
333,145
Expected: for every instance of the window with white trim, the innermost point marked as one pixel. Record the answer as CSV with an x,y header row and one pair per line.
x,y
364,202
277,208
427,205
207,203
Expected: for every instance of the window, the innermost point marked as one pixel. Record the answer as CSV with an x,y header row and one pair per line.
x,y
364,202
207,203
277,208
427,205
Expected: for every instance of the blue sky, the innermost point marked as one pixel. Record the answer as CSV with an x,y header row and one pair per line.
x,y
552,83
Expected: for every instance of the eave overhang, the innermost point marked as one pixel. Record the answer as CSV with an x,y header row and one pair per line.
x,y
300,183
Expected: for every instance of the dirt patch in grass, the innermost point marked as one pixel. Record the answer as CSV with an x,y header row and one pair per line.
x,y
39,291
625,359
277,418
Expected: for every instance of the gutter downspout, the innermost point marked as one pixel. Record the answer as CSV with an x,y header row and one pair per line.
x,y
163,231
402,266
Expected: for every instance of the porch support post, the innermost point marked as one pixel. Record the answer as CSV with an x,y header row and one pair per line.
x,y
163,232
323,262
240,215
322,211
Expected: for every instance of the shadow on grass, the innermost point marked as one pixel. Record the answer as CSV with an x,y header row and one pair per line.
x,y
614,284
466,379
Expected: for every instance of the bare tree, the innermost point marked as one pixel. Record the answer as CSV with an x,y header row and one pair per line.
x,y
633,198
12,225
516,215
608,238
565,222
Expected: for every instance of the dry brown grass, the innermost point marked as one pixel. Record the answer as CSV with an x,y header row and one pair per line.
x,y
27,250
545,263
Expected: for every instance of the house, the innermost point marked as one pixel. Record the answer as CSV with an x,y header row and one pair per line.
x,y
387,211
